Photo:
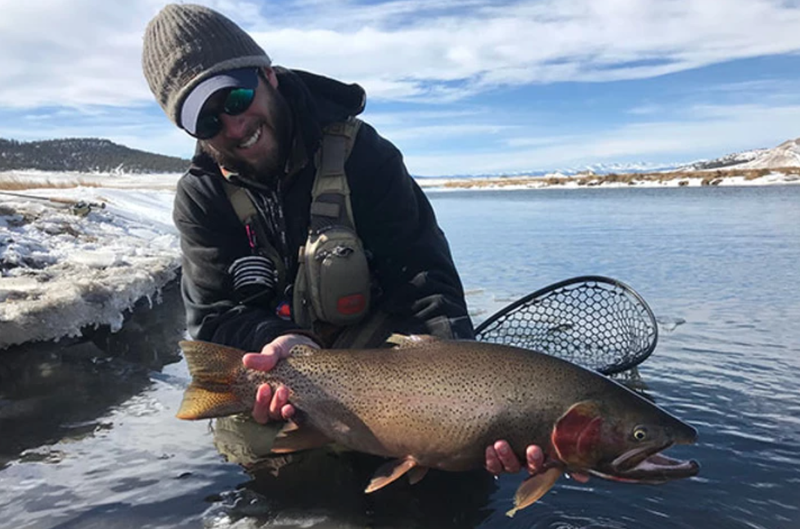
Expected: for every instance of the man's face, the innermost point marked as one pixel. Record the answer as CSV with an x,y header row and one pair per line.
x,y
255,142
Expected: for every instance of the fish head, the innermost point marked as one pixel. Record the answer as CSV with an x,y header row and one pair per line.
x,y
622,441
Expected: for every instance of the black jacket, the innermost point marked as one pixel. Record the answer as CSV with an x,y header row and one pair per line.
x,y
411,259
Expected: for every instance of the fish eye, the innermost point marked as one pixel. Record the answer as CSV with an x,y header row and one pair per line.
x,y
640,433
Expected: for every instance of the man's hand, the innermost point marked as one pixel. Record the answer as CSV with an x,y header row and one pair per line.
x,y
500,458
274,405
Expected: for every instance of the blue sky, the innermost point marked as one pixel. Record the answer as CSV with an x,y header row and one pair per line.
x,y
461,86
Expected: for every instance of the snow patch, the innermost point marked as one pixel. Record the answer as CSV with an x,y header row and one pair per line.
x,y
61,272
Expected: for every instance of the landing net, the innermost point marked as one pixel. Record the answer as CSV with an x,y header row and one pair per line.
x,y
593,321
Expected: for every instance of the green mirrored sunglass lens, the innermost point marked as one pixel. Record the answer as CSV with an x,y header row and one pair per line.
x,y
238,100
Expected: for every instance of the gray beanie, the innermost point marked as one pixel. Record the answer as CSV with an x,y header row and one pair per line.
x,y
186,44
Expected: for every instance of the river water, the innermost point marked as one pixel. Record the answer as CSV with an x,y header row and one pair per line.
x,y
88,438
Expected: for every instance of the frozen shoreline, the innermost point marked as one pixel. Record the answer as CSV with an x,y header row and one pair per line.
x,y
61,271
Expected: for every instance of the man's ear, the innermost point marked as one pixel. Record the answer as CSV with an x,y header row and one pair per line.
x,y
270,76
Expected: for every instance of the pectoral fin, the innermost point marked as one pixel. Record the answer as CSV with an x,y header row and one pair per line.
x,y
416,474
293,438
534,488
391,471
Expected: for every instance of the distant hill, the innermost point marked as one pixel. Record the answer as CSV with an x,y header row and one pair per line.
x,y
84,155
787,154
729,160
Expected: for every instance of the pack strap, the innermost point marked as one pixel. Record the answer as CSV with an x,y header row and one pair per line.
x,y
244,207
330,196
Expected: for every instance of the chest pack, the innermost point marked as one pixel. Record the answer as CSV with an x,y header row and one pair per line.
x,y
333,280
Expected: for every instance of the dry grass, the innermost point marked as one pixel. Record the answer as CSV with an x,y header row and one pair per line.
x,y
712,177
12,185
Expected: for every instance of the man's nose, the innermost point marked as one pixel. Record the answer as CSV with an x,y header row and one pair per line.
x,y
233,126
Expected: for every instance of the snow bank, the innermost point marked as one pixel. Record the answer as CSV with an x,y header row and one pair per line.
x,y
60,271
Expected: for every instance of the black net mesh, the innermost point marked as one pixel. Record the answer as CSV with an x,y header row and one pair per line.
x,y
593,321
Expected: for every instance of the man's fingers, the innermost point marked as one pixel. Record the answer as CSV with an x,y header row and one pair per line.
x,y
579,477
287,412
493,464
507,457
535,459
279,400
260,361
261,407
273,405
282,345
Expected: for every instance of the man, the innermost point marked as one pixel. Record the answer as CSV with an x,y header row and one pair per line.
x,y
260,129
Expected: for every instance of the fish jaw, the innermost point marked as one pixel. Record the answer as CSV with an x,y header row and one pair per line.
x,y
646,464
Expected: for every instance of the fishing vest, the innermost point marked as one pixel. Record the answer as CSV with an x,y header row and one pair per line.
x,y
333,280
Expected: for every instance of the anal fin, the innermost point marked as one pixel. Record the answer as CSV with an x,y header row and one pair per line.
x,y
294,438
534,488
391,471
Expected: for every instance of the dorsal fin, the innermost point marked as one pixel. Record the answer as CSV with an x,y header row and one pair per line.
x,y
403,341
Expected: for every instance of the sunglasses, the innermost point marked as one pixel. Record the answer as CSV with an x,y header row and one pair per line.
x,y
236,101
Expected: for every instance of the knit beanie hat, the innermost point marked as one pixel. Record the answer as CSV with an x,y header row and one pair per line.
x,y
186,44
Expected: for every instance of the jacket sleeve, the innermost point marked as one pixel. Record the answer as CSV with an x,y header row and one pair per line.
x,y
212,237
411,256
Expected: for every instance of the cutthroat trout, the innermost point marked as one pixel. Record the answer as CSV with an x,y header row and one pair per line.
x,y
438,404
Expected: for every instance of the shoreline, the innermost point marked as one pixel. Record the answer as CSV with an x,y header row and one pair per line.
x,y
52,183
712,178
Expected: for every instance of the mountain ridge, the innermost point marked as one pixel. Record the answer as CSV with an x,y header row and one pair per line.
x,y
84,155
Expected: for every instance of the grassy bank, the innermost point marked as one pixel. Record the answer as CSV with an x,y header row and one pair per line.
x,y
706,178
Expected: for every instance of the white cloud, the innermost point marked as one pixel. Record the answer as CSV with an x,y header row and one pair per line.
x,y
72,53
72,68
77,52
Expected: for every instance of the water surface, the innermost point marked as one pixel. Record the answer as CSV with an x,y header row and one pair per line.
x,y
88,438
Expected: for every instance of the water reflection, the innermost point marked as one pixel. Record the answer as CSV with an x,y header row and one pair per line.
x,y
54,391
324,488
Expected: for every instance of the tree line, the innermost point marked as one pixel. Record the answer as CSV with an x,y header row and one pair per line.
x,y
84,155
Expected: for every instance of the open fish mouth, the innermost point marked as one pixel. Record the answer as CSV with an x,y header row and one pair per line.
x,y
647,464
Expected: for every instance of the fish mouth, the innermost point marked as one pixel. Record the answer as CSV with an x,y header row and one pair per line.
x,y
646,464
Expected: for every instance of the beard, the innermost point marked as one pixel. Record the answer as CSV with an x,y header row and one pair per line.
x,y
270,165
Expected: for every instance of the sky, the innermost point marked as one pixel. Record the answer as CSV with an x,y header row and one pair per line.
x,y
460,86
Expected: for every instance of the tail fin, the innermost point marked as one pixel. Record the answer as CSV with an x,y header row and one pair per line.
x,y
213,368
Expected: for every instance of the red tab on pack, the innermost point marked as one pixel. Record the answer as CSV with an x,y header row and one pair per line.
x,y
349,305
284,311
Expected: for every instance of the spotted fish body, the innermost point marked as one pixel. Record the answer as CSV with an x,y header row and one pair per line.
x,y
439,404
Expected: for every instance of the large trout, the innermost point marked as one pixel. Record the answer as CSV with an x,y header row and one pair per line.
x,y
439,404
